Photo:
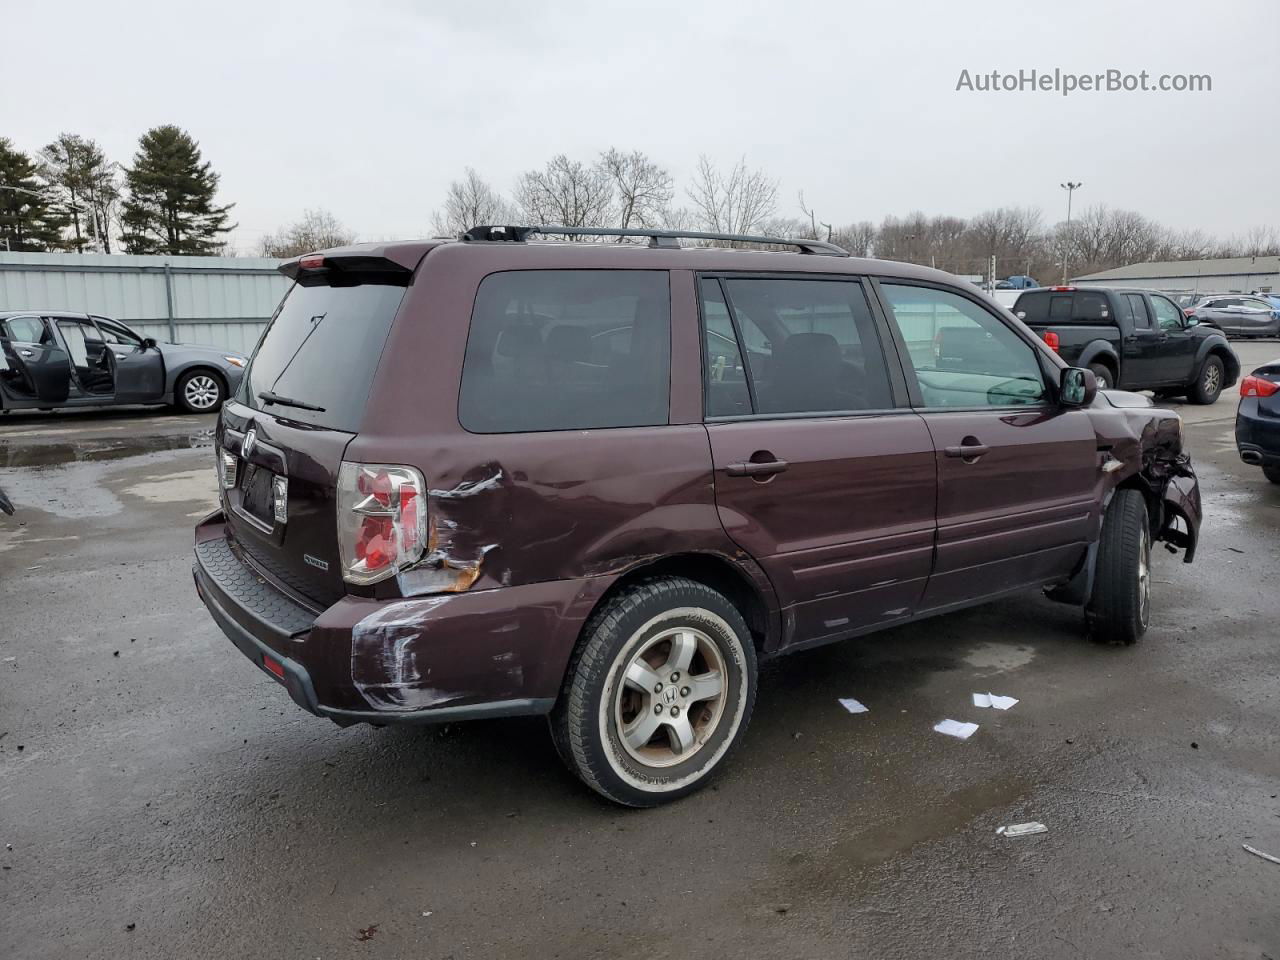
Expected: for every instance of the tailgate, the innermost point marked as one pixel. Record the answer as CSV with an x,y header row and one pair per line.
x,y
300,402
297,546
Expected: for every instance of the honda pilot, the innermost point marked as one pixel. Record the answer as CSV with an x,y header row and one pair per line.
x,y
601,481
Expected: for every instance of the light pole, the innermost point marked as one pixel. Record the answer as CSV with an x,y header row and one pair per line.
x,y
1071,188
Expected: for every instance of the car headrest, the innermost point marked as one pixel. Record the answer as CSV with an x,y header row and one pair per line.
x,y
520,342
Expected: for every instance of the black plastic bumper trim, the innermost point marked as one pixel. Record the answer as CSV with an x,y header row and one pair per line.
x,y
298,682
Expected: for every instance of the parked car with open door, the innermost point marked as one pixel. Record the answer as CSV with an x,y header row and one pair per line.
x,y
50,359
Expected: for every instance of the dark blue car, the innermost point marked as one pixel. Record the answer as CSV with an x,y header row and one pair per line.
x,y
1258,420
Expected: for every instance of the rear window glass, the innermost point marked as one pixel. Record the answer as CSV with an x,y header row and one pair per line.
x,y
1063,306
567,350
321,349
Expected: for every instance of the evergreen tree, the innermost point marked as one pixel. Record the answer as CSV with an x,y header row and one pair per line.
x,y
170,208
29,219
87,187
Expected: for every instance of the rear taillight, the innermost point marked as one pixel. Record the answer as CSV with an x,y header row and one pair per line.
x,y
1051,340
228,467
1258,387
382,520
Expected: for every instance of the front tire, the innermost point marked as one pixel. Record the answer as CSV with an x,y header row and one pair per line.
x,y
199,391
658,692
1208,382
1120,607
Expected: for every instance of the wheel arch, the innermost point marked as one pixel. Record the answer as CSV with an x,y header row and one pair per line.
x,y
748,590
1219,347
1100,351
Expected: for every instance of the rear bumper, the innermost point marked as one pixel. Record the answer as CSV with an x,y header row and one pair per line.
x,y
491,653
1257,435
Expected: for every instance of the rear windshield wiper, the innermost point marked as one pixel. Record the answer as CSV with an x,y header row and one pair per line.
x,y
267,396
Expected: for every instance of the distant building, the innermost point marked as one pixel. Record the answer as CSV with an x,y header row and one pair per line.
x,y
1227,275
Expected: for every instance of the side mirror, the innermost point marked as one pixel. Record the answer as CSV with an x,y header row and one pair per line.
x,y
148,343
1193,321
1077,388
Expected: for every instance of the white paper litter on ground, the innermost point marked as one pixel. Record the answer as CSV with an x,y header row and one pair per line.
x,y
1022,829
991,700
956,728
1259,853
853,706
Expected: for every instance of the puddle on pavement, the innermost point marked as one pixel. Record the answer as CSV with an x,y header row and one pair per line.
x,y
18,454
73,480
1000,656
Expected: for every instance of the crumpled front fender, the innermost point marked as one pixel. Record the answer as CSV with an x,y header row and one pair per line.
x,y
1181,500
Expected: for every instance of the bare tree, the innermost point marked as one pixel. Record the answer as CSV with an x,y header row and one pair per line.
x,y
317,230
737,202
642,190
566,192
858,238
470,202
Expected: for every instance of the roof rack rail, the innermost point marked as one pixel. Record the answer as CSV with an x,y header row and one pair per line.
x,y
657,238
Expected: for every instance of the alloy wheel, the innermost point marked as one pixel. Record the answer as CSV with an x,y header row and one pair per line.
x,y
201,392
1144,576
671,697
1212,379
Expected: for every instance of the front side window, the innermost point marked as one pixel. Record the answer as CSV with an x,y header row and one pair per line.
x,y
113,333
1169,316
963,355
568,350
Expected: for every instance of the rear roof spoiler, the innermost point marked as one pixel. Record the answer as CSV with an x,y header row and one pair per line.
x,y
361,262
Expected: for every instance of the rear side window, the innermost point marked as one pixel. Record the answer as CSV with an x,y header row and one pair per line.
x,y
1139,308
321,350
25,329
568,350
811,346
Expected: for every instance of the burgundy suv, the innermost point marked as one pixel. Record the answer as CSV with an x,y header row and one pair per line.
x,y
600,481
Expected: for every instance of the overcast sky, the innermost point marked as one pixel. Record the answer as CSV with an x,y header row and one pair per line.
x,y
370,108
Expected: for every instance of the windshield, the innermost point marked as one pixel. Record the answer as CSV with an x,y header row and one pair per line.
x,y
320,351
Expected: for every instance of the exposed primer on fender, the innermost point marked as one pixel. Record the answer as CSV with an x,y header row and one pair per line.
x,y
468,489
385,665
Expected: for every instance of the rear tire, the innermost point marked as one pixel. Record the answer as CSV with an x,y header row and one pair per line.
x,y
1120,608
658,692
1208,381
1272,474
199,391
1102,373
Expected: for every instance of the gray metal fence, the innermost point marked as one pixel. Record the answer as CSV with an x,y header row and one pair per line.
x,y
219,301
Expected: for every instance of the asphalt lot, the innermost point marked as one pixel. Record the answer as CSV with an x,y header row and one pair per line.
x,y
163,798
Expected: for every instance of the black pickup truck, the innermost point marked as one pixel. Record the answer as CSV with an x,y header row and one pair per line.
x,y
1132,340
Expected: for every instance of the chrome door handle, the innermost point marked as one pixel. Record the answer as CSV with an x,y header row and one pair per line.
x,y
119,356
27,353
